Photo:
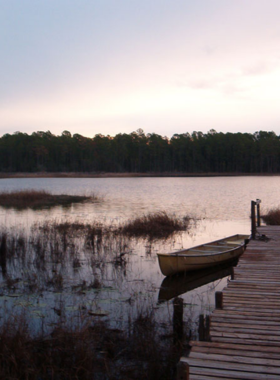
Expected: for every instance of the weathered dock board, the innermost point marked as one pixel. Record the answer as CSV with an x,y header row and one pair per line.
x,y
245,331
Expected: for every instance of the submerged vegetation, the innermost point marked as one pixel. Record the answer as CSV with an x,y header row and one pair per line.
x,y
36,199
272,217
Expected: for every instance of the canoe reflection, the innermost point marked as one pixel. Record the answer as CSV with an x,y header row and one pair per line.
x,y
173,286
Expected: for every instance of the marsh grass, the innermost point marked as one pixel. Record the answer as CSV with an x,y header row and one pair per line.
x,y
36,199
80,346
272,217
88,351
155,225
65,354
72,229
53,250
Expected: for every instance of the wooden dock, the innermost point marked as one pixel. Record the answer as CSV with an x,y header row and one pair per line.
x,y
245,331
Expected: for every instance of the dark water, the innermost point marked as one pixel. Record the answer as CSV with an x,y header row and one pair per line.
x,y
63,290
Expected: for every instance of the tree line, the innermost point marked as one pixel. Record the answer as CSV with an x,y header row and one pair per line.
x,y
138,152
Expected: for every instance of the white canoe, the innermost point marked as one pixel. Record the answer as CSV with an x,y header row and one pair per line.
x,y
203,256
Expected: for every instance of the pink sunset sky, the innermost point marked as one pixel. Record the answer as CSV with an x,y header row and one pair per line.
x,y
114,66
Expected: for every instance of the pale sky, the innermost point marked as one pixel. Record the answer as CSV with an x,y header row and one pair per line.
x,y
113,66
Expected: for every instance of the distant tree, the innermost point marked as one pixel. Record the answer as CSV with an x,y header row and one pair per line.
x,y
139,152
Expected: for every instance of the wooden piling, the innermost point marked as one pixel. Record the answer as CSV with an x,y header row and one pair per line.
x,y
207,328
232,274
3,254
178,330
219,300
182,370
201,328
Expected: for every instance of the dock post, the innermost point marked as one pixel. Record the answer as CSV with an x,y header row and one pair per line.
x,y
201,328
204,328
183,372
178,330
219,300
3,254
232,274
253,219
207,328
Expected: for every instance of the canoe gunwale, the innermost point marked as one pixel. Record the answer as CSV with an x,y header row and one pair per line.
x,y
184,252
203,253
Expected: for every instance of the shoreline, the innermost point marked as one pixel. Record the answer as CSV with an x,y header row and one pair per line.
x,y
126,175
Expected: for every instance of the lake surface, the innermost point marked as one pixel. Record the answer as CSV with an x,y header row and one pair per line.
x,y
214,198
221,206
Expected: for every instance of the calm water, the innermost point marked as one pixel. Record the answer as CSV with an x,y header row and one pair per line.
x,y
222,205
217,198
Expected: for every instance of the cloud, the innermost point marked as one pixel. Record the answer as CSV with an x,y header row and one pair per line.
x,y
202,84
259,68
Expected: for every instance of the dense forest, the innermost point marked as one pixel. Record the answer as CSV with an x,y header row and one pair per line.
x,y
138,152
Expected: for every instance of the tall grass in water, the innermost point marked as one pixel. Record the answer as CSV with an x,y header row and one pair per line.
x,y
38,198
54,252
49,260
272,217
155,225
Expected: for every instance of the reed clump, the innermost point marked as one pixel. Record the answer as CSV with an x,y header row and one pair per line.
x,y
65,354
155,225
89,351
54,251
36,199
272,217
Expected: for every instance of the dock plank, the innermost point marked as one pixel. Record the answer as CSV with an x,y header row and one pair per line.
x,y
244,334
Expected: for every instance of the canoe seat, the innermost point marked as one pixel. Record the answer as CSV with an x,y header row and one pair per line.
x,y
204,251
222,246
235,242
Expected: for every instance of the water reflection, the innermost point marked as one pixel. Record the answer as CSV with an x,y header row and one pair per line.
x,y
85,278
216,198
174,286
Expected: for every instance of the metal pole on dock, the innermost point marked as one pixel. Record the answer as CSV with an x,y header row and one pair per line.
x,y
258,201
253,219
254,222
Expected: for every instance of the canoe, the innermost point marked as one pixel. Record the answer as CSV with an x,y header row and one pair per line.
x,y
203,256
